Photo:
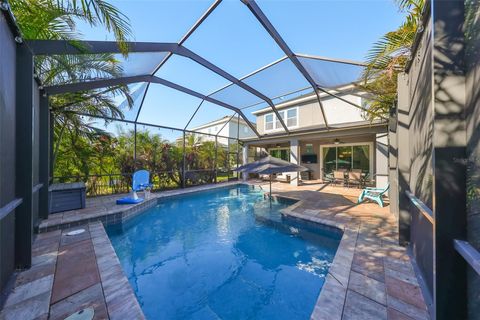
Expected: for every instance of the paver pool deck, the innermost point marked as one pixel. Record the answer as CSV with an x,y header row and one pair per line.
x,y
371,276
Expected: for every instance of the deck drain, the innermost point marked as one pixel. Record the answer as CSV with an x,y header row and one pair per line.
x,y
84,314
75,232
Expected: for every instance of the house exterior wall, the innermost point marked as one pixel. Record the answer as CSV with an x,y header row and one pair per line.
x,y
309,112
226,130
244,131
413,155
338,111
319,142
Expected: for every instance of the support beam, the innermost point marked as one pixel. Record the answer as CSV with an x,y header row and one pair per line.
x,y
193,115
60,47
51,146
215,160
449,149
95,84
24,156
90,85
294,158
190,32
44,165
245,160
403,160
381,160
51,47
184,159
141,103
262,18
190,54
134,146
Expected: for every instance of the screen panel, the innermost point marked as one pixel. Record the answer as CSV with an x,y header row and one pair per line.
x,y
164,106
330,74
88,67
232,39
277,80
187,73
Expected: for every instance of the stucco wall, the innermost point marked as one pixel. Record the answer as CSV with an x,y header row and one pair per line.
x,y
317,145
338,111
421,121
309,112
412,154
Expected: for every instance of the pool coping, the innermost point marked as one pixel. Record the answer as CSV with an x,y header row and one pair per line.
x,y
119,296
123,213
331,300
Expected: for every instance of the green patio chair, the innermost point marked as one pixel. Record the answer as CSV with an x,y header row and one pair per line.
x,y
375,194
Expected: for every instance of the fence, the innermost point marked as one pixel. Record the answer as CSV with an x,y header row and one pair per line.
x,y
106,184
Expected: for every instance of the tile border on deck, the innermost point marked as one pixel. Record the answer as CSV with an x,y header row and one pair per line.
x,y
119,297
330,302
123,214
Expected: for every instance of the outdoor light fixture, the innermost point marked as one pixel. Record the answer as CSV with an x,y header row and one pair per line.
x,y
336,141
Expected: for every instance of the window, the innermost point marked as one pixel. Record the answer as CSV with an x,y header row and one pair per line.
x,y
245,129
292,118
346,157
209,130
216,129
269,122
289,116
280,153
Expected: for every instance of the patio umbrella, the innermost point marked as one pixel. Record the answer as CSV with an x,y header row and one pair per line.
x,y
270,165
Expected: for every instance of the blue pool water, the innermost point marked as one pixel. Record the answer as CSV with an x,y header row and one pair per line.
x,y
223,254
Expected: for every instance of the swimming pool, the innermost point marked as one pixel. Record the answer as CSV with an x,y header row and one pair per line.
x,y
223,254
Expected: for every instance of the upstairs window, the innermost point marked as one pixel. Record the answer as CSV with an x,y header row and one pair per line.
x,y
269,122
289,116
292,119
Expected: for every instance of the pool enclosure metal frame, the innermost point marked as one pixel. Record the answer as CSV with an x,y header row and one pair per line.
x,y
60,47
26,89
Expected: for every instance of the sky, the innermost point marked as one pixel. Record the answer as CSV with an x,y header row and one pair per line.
x,y
232,38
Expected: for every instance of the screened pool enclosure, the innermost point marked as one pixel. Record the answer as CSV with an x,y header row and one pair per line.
x,y
186,114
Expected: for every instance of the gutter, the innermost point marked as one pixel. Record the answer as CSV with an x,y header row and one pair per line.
x,y
310,97
314,131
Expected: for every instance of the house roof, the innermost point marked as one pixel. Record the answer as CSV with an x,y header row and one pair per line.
x,y
311,96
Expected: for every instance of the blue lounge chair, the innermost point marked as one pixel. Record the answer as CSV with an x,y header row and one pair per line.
x,y
140,181
375,194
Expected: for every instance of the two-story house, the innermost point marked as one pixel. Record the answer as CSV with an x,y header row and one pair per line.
x,y
347,142
224,128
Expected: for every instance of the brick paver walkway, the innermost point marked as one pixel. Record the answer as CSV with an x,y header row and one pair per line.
x,y
382,282
371,277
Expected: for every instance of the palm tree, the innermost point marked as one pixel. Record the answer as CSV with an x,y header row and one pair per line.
x,y
56,20
388,57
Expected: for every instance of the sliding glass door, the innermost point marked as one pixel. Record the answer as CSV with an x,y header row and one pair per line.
x,y
280,153
347,157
